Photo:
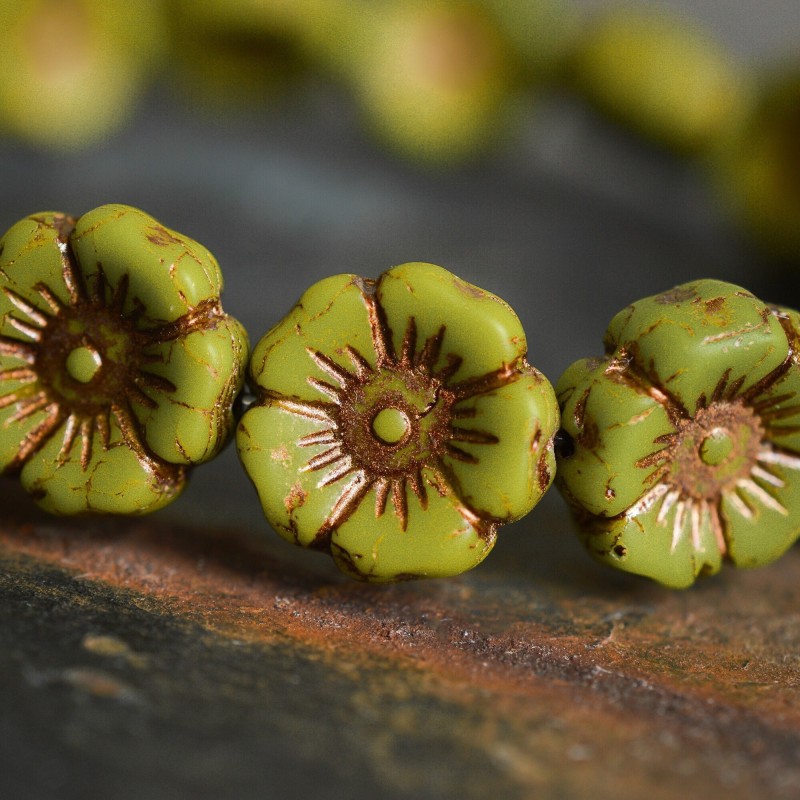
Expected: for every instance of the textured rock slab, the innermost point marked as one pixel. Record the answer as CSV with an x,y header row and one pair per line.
x,y
196,662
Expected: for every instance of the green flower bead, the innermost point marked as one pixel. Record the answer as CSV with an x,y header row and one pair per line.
x,y
118,366
399,423
681,446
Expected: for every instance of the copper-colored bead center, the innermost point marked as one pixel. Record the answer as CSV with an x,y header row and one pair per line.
x,y
711,452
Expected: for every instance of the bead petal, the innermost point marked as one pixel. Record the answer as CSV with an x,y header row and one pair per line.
x,y
661,537
16,431
169,274
687,340
201,374
330,317
115,480
613,427
501,452
476,322
269,439
438,540
29,258
762,513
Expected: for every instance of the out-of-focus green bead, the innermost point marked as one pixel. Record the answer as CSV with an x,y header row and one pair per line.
x,y
235,53
434,79
118,367
71,70
398,424
758,165
542,34
659,74
681,446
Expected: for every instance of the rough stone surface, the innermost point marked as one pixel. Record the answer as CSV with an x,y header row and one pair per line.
x,y
196,662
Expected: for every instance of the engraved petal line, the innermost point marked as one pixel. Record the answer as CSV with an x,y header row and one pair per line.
x,y
324,412
36,438
52,300
427,357
418,487
485,383
70,434
327,365
758,493
29,406
21,374
360,363
780,458
382,487
669,501
30,310
381,333
345,467
400,502
348,502
677,525
86,434
473,436
327,436
409,344
323,459
764,475
24,351
26,329
325,388
739,505
459,455
647,500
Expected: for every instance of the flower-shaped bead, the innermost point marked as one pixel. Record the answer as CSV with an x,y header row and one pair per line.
x,y
399,423
118,367
681,446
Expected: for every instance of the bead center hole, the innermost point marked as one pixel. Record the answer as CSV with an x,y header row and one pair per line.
x,y
716,447
390,425
83,363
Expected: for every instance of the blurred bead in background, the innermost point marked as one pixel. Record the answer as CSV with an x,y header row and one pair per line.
x,y
439,83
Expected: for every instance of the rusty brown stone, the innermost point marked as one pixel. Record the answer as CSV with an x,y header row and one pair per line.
x,y
640,679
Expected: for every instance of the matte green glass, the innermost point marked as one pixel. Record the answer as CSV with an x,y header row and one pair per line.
x,y
680,445
398,423
118,367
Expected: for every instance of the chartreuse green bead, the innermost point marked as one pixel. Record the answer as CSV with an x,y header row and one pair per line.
x,y
72,70
681,446
398,423
118,366
757,164
436,79
660,74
